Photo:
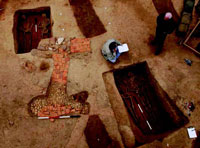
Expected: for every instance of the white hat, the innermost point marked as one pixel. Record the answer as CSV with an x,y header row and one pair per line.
x,y
168,16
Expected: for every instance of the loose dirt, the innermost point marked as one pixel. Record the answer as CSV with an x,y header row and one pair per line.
x,y
131,22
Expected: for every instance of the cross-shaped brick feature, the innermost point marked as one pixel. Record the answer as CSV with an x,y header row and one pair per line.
x,y
56,102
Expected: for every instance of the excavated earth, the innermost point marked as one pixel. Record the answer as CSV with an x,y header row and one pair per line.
x,y
130,21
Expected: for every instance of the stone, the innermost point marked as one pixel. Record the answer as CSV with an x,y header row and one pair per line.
x,y
50,48
60,40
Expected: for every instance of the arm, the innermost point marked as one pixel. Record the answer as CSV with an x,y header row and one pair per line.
x,y
171,28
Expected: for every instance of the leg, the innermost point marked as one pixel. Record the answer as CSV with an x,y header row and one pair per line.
x,y
157,36
160,42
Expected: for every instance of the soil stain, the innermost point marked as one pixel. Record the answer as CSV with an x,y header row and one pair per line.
x,y
87,20
81,97
97,136
44,66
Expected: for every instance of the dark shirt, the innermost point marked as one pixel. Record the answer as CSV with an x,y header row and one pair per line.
x,y
166,26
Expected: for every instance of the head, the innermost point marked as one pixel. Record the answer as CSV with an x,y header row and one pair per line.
x,y
168,16
113,47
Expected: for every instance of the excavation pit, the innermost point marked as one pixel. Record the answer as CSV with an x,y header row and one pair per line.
x,y
30,26
152,114
87,20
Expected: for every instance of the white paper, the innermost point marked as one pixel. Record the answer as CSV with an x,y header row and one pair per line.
x,y
123,48
192,132
60,40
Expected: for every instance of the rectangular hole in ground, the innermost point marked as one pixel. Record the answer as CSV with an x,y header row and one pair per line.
x,y
153,114
30,26
86,18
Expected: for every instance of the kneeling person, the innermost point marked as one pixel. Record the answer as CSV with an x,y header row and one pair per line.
x,y
110,50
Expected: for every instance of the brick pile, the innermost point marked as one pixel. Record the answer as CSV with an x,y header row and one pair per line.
x,y
57,110
80,45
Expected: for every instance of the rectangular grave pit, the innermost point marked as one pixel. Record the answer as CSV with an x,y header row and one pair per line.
x,y
152,114
30,26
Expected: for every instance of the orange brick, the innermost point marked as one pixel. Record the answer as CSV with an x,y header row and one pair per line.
x,y
76,51
60,50
65,54
67,111
56,63
53,73
46,113
64,78
53,114
63,61
63,108
66,66
60,75
67,59
64,81
55,80
69,106
59,80
52,120
63,112
73,111
55,76
64,72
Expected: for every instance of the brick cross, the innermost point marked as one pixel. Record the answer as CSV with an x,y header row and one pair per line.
x,y
59,75
61,60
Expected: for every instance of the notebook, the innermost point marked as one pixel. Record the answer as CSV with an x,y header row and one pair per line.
x,y
192,132
123,48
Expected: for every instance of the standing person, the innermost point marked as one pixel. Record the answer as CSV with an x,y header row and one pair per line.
x,y
165,25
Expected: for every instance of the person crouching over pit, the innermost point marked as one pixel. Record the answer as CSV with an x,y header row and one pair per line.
x,y
110,50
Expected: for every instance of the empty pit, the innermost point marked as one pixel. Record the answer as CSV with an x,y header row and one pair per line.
x,y
152,114
97,135
30,26
86,18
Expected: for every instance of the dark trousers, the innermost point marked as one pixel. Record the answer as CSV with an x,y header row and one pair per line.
x,y
159,39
